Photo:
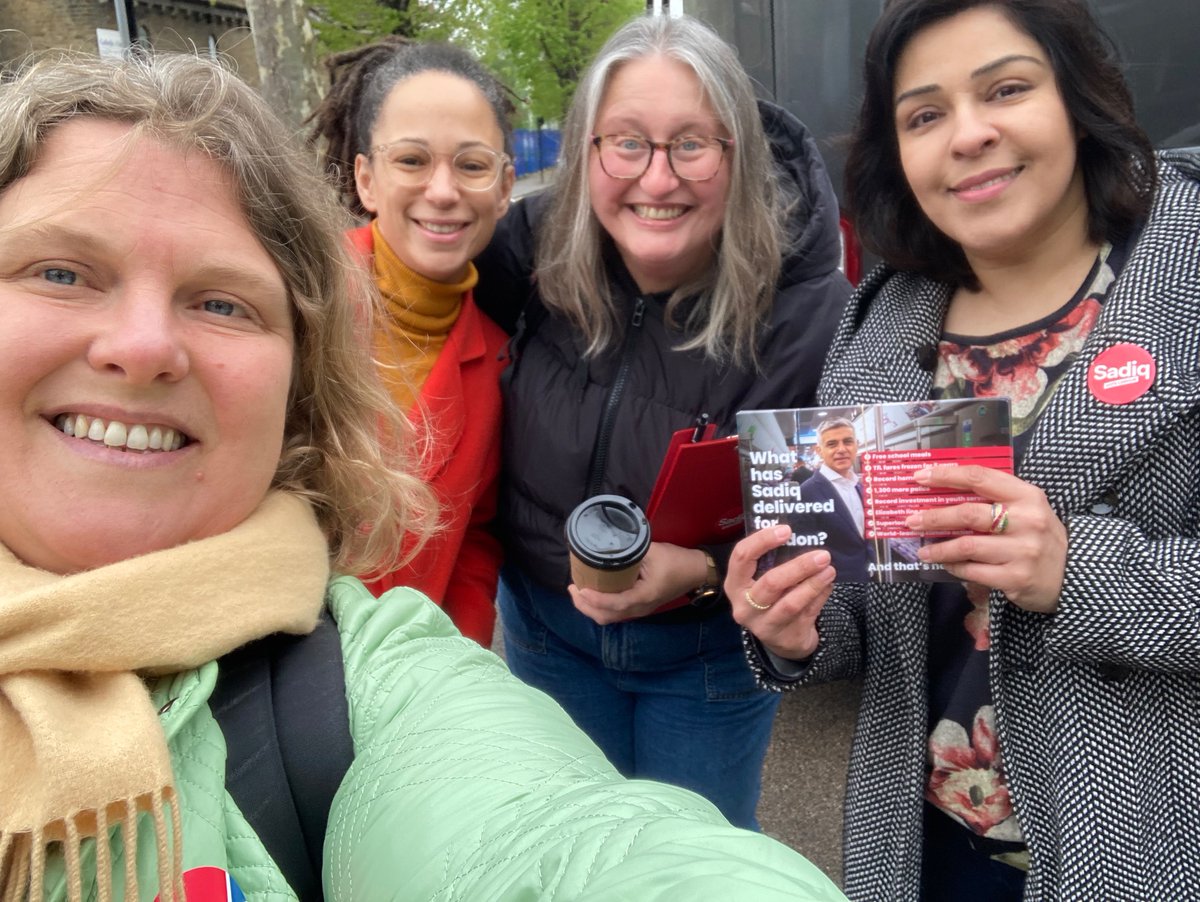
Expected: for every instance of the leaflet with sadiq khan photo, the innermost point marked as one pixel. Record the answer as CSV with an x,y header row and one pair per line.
x,y
841,477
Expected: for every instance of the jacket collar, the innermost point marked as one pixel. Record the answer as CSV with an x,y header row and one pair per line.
x,y
1152,305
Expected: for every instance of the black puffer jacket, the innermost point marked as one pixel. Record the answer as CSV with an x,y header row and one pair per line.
x,y
556,399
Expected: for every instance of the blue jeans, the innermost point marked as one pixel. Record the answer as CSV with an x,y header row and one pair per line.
x,y
674,702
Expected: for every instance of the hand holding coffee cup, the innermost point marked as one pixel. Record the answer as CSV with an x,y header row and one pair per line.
x,y
607,536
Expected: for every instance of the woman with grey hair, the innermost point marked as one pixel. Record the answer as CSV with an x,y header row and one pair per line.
x,y
195,695
683,267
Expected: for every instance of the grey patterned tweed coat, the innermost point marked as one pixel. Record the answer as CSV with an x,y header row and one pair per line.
x,y
1098,705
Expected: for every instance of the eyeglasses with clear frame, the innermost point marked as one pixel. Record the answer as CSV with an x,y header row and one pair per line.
x,y
693,158
413,164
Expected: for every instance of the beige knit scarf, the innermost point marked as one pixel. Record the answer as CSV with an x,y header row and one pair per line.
x,y
81,748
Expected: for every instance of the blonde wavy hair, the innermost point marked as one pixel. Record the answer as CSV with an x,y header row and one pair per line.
x,y
346,448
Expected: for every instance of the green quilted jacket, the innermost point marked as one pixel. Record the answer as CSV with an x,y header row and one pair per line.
x,y
466,786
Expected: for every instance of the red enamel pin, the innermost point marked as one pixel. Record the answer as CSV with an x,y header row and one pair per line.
x,y
1121,374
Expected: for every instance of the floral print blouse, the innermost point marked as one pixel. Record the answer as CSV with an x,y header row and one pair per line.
x,y
965,760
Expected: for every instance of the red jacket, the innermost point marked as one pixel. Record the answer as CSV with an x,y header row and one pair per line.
x,y
459,566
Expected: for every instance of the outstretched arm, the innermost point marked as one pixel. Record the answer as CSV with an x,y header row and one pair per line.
x,y
469,785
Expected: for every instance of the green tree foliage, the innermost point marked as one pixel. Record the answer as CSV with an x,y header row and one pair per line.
x,y
343,24
543,46
539,47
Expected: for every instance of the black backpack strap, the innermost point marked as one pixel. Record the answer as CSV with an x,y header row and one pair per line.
x,y
281,704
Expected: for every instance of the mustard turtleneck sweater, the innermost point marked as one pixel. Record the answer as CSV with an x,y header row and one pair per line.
x,y
420,314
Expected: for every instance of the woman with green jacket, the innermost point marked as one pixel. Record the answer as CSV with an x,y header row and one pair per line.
x,y
191,446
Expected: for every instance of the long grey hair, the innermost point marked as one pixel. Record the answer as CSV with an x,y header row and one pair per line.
x,y
734,295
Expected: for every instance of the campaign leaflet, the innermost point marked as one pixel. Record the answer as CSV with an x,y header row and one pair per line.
x,y
841,477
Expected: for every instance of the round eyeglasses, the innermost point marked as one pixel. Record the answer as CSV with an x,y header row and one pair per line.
x,y
693,158
413,164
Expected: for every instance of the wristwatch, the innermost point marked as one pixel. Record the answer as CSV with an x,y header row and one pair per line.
x,y
712,581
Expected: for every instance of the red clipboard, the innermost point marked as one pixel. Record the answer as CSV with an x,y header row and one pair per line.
x,y
697,498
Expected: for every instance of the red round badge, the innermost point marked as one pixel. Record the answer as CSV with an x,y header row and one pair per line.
x,y
1121,374
209,884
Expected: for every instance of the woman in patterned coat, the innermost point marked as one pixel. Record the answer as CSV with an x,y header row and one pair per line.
x,y
1030,731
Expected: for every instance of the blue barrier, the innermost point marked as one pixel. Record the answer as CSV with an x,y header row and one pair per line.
x,y
536,149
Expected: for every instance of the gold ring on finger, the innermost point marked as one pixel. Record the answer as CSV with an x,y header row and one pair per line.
x,y
754,604
999,519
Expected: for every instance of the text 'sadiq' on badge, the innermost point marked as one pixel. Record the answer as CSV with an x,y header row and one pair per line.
x,y
1121,374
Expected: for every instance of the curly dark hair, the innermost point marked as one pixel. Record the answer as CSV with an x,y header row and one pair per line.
x,y
359,83
1116,157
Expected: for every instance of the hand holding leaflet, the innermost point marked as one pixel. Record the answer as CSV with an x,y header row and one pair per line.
x,y
859,490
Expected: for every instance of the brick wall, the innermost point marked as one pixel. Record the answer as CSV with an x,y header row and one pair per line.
x,y
191,25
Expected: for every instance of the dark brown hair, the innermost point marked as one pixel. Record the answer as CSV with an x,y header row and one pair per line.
x,y
359,83
1116,157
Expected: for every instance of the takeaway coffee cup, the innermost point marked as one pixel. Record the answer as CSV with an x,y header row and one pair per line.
x,y
607,536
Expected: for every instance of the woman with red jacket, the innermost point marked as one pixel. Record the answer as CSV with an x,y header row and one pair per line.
x,y
419,139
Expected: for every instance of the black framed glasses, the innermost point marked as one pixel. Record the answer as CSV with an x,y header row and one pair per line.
x,y
693,158
413,164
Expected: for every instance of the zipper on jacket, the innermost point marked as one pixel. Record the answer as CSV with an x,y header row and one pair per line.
x,y
612,403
